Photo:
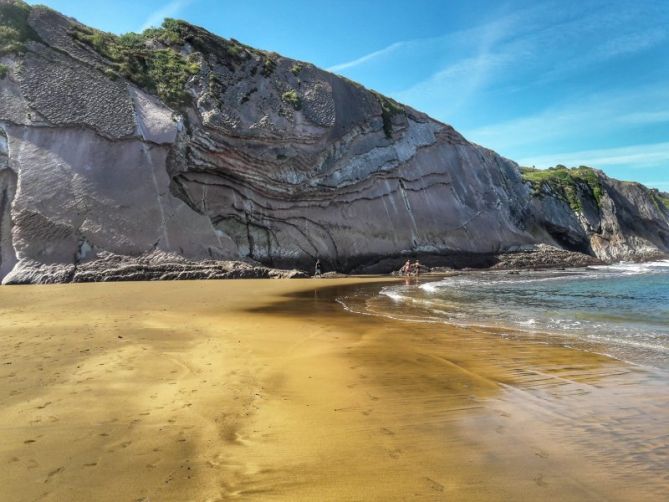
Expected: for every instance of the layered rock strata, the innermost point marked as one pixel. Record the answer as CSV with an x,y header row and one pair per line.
x,y
246,155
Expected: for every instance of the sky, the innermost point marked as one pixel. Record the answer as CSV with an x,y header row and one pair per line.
x,y
541,82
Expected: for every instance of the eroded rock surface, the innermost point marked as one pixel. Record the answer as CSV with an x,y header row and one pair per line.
x,y
114,170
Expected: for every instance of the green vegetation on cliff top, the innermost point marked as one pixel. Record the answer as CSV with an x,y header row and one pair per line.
x,y
566,183
660,199
160,60
151,59
14,28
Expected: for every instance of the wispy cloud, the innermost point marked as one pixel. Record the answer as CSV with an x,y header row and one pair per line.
x,y
596,114
555,77
368,57
599,52
456,83
448,43
168,10
528,48
638,156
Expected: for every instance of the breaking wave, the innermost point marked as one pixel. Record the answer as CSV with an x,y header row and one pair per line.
x,y
621,309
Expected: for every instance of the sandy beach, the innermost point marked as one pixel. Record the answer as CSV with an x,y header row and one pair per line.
x,y
270,390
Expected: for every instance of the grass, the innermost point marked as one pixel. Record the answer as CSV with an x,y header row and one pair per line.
x,y
567,183
14,28
664,197
660,199
292,99
296,68
4,70
268,67
234,51
163,70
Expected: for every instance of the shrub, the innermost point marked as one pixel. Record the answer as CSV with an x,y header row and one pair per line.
x,y
660,199
4,70
234,51
292,99
162,71
268,67
14,27
296,69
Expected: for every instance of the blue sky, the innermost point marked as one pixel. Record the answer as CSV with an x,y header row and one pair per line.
x,y
571,82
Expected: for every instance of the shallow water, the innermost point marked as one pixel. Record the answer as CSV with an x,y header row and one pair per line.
x,y
620,310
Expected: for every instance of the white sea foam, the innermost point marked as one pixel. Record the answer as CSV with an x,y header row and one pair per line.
x,y
625,319
591,272
633,267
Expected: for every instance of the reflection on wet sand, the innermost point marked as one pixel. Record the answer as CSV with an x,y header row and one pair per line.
x,y
268,390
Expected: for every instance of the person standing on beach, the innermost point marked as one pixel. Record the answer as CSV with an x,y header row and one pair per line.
x,y
416,268
406,269
317,271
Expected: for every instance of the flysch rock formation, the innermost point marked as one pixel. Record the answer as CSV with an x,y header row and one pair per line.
x,y
192,156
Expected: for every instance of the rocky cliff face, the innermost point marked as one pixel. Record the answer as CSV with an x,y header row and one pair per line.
x,y
179,147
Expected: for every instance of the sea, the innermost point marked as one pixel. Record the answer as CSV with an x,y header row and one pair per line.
x,y
619,310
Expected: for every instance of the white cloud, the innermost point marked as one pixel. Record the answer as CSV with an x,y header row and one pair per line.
x,y
650,117
368,57
636,156
599,113
169,10
444,43
530,47
455,85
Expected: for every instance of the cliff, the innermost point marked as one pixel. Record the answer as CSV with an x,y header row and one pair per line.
x,y
175,153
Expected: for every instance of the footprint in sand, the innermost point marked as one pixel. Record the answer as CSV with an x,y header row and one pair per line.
x,y
53,473
541,454
92,464
437,487
387,432
539,480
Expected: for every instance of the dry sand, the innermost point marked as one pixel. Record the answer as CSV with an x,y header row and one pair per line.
x,y
268,390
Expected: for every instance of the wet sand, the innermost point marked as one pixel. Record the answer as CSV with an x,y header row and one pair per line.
x,y
269,390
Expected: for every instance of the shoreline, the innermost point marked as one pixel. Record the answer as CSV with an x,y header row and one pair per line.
x,y
269,390
166,266
566,338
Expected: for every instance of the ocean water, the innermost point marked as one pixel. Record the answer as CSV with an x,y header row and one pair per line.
x,y
620,310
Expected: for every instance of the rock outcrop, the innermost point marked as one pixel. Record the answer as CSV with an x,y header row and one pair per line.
x,y
171,153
